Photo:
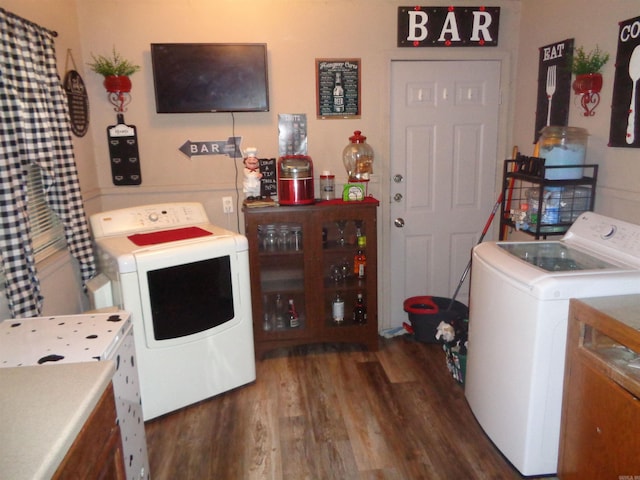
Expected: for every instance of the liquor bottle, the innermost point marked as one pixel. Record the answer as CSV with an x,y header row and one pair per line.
x,y
337,308
360,311
360,258
280,313
338,95
294,319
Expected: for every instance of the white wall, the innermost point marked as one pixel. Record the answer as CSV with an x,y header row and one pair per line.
x,y
590,23
296,32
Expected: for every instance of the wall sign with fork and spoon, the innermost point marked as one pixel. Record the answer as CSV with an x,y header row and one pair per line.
x,y
554,85
625,118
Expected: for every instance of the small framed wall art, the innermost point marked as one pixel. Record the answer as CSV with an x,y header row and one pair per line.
x,y
338,90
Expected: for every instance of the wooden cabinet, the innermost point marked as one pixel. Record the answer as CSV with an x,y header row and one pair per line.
x,y
538,206
96,452
306,254
601,412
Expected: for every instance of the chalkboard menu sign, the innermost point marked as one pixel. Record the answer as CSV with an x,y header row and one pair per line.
x,y
338,87
269,180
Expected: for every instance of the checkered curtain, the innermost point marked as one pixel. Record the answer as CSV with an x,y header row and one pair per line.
x,y
35,129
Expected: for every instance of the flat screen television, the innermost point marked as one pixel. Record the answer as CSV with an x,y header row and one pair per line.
x,y
210,77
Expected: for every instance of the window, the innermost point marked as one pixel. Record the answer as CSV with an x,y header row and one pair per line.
x,y
47,231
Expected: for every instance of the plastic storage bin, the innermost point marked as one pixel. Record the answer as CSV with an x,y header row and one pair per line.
x,y
426,313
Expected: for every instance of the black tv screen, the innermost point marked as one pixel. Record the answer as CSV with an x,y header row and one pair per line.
x,y
210,77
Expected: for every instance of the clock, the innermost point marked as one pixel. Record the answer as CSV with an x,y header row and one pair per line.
x,y
353,192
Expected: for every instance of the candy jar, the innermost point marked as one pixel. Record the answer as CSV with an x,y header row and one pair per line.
x,y
357,157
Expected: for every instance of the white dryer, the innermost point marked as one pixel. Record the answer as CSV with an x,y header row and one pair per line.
x,y
518,316
186,284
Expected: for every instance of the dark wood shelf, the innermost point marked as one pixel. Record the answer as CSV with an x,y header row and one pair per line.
x,y
306,277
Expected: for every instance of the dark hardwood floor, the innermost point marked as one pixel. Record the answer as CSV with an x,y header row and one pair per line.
x,y
332,412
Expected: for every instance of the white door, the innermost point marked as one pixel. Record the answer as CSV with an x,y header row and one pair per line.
x,y
444,130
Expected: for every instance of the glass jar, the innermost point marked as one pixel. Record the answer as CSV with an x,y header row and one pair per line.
x,y
357,157
327,185
283,237
563,147
296,238
270,240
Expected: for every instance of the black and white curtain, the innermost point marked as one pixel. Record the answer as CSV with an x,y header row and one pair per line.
x,y
34,129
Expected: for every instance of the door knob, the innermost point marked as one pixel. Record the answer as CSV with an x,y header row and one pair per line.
x,y
398,178
399,222
397,197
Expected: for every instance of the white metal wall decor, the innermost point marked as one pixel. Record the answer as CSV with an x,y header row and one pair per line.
x,y
625,122
292,134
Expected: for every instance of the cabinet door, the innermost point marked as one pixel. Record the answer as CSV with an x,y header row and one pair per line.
x,y
348,234
278,271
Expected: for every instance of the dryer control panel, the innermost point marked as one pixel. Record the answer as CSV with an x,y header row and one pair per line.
x,y
147,218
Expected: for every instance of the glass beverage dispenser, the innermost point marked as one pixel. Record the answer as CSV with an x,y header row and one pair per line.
x,y
357,157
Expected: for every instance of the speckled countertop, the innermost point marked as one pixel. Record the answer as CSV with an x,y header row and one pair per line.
x,y
42,409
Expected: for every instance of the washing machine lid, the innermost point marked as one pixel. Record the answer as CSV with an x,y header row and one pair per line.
x,y
598,256
62,338
555,256
593,243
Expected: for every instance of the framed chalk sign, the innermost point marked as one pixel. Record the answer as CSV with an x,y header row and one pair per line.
x,y
338,87
269,181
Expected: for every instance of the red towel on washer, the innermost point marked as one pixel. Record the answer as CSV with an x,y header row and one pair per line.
x,y
164,236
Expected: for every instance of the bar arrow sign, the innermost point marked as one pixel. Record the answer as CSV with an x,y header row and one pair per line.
x,y
230,147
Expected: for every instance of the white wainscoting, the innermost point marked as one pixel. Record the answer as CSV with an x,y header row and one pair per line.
x,y
60,285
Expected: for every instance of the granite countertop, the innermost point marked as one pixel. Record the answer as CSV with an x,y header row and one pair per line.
x,y
624,308
42,410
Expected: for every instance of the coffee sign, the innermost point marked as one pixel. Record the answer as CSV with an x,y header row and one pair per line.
x,y
448,26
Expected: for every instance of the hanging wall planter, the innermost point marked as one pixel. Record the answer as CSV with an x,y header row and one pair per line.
x,y
116,71
588,82
117,84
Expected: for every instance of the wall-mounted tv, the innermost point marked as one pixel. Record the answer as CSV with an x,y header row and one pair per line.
x,y
210,77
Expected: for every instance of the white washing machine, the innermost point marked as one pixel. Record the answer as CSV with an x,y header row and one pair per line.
x,y
186,284
518,320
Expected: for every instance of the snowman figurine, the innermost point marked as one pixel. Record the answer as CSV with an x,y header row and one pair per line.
x,y
252,175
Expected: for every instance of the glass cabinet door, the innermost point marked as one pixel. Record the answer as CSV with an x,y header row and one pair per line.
x,y
282,277
345,271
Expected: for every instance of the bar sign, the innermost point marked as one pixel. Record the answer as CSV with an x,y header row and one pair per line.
x,y
448,26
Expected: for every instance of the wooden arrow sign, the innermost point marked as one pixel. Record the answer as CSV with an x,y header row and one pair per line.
x,y
230,147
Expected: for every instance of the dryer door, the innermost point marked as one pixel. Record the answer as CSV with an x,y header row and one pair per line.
x,y
188,292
